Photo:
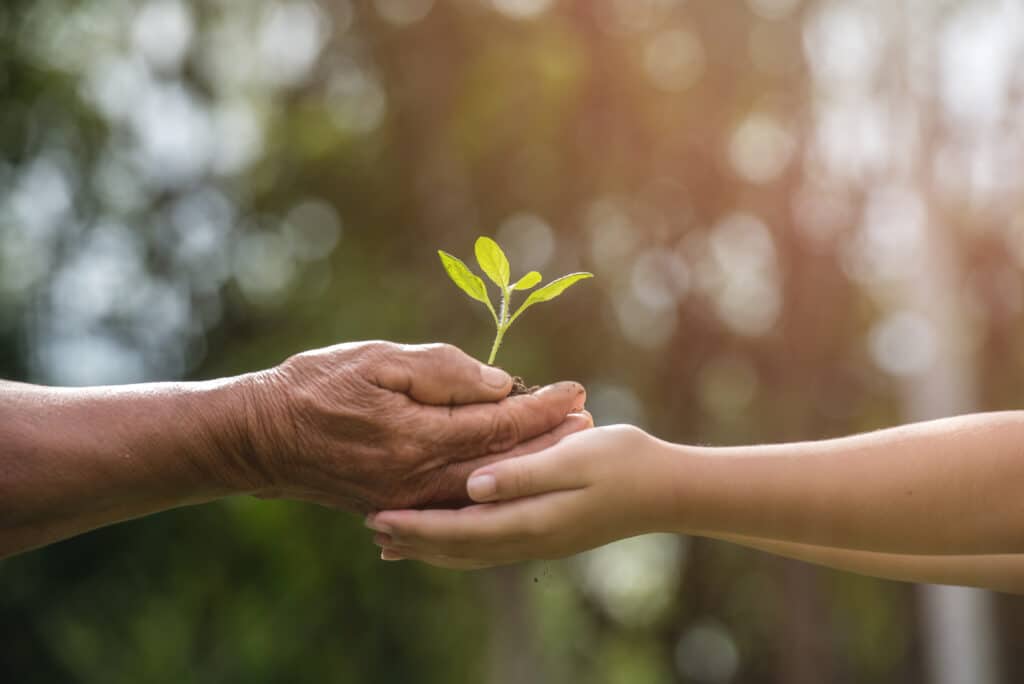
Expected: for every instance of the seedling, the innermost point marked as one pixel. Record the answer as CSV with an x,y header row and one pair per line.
x,y
494,264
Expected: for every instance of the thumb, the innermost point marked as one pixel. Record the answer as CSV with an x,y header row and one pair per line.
x,y
440,374
545,471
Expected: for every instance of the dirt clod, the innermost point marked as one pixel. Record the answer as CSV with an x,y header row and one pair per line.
x,y
520,387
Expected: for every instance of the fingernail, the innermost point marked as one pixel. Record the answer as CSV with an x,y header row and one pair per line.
x,y
372,523
482,487
495,377
389,555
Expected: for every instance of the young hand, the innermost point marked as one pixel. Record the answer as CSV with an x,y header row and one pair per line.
x,y
591,488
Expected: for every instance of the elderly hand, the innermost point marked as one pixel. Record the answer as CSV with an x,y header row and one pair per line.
x,y
366,426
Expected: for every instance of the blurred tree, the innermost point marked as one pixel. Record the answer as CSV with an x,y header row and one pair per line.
x,y
196,188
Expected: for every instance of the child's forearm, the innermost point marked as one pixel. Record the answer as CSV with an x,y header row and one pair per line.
x,y
999,572
954,486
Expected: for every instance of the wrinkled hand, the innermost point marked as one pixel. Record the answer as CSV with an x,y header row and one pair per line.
x,y
590,489
374,425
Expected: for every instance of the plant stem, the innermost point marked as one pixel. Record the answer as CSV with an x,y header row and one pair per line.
x,y
497,345
503,325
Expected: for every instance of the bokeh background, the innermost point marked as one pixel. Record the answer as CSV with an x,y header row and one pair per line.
x,y
806,218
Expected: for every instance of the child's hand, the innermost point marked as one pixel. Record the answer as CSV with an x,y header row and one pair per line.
x,y
592,488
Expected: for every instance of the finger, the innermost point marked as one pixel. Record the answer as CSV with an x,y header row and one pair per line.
x,y
438,531
392,550
441,375
551,470
451,488
466,433
573,423
437,560
495,529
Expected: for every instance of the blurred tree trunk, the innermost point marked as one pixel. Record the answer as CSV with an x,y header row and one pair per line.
x,y
804,650
515,655
957,623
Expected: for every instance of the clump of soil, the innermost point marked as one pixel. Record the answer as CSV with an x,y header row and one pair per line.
x,y
519,386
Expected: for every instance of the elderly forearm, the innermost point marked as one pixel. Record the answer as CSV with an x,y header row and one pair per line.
x,y
951,486
72,460
999,572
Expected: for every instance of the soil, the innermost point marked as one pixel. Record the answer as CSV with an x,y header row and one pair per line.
x,y
519,386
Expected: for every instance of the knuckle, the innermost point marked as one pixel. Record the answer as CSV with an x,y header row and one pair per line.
x,y
443,350
439,356
626,435
442,486
379,347
372,353
521,481
406,452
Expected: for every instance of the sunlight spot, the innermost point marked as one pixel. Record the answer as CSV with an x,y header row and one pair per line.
x,y
162,33
674,60
746,290
660,279
529,241
726,386
980,52
312,229
634,580
708,653
613,404
522,9
239,137
289,41
613,235
263,266
888,247
633,16
772,9
843,44
904,344
760,149
403,12
175,134
645,326
355,99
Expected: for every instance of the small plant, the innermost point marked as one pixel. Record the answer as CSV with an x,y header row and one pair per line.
x,y
495,265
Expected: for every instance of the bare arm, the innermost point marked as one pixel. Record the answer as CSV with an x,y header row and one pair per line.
x,y
354,427
937,502
75,459
952,486
999,572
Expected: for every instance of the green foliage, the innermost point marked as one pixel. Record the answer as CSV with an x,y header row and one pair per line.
x,y
528,281
468,282
493,261
550,291
495,266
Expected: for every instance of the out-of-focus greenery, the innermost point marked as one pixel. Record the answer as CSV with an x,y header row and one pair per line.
x,y
773,193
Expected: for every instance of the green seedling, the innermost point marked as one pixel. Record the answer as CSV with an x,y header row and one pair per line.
x,y
494,264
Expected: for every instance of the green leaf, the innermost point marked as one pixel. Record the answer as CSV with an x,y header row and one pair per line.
x,y
551,290
528,281
493,261
468,282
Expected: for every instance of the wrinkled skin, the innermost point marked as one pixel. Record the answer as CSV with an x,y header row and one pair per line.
x,y
368,426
